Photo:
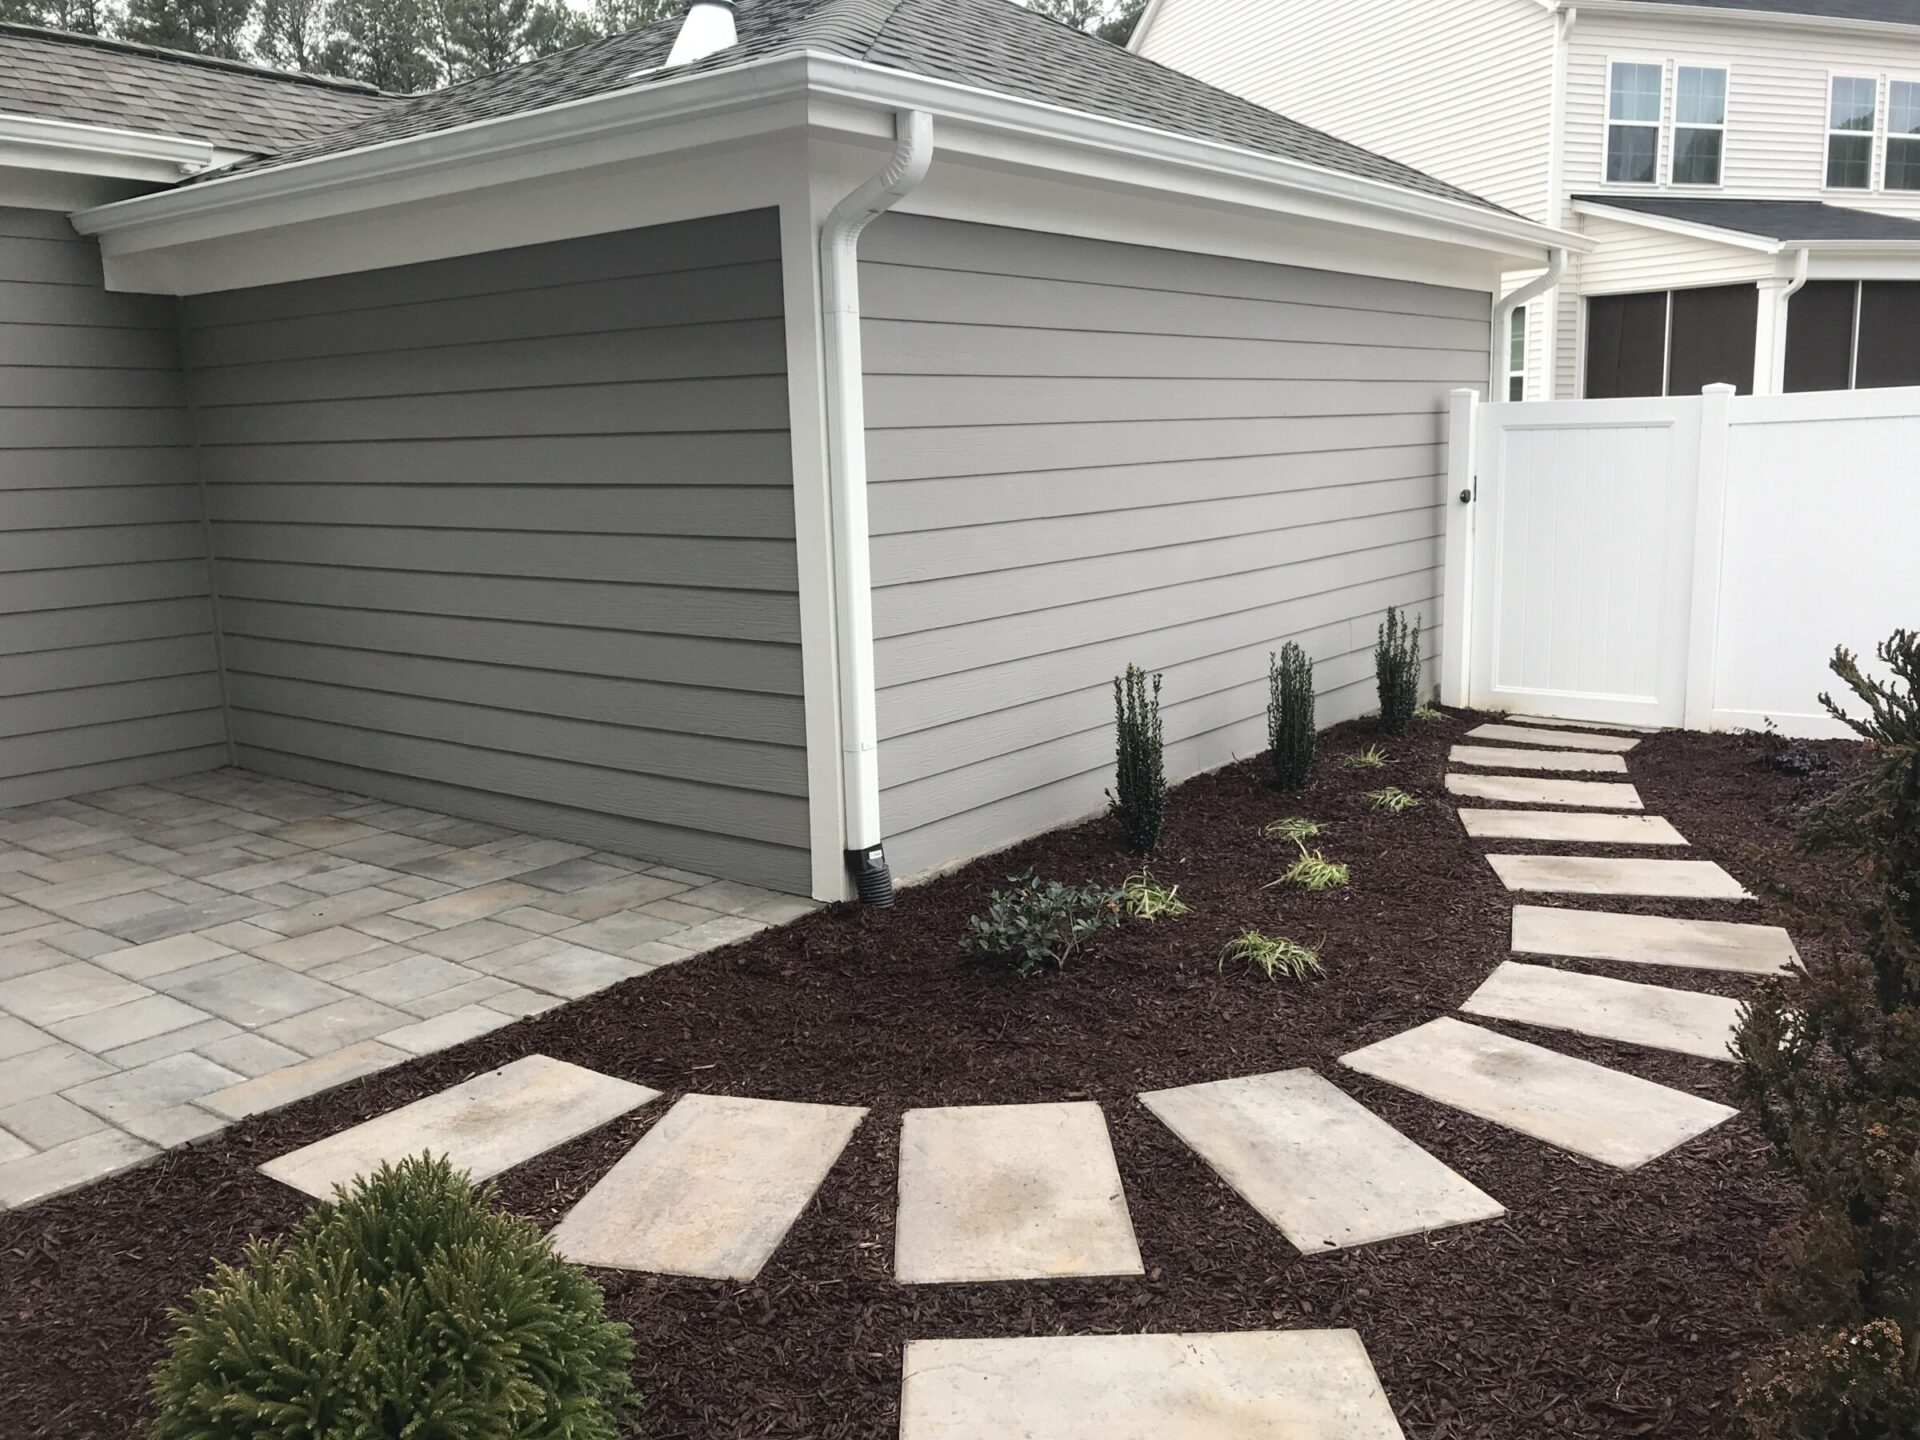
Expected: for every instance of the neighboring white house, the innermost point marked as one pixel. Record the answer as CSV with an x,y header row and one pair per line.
x,y
1748,170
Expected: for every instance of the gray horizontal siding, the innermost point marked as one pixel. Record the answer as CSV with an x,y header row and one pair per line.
x,y
1084,455
109,675
512,536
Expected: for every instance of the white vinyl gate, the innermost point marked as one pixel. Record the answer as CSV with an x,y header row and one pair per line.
x,y
1685,561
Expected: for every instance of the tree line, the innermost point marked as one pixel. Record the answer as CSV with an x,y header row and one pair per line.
x,y
405,46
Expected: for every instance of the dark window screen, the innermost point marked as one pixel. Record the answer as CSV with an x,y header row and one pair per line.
x,y
1820,336
1626,344
1713,339
1889,334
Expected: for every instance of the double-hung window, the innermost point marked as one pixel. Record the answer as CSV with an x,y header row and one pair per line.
x,y
1903,135
1699,124
1852,110
1633,122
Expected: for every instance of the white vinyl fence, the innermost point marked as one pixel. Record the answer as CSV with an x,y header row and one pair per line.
x,y
1677,562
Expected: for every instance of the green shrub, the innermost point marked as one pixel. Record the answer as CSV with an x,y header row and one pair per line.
x,y
1140,782
1274,956
1396,670
1831,1068
1039,924
1393,800
1293,828
1290,731
1144,898
408,1307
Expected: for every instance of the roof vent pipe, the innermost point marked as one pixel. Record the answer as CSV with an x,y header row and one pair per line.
x,y
706,30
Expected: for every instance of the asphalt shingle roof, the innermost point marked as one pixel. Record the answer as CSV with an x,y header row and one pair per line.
x,y
91,81
1787,220
992,44
1890,12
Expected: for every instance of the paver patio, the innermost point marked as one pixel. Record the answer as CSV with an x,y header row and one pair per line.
x,y
179,955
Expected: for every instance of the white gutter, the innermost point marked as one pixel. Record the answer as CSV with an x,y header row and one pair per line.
x,y
33,142
845,374
1742,15
1503,317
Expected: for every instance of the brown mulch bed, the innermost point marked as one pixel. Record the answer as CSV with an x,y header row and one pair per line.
x,y
1604,1304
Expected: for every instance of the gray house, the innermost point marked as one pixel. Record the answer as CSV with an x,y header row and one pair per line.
x,y
746,455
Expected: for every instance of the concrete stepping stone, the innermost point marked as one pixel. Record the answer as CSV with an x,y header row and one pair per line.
x,y
1316,1162
1606,1115
1565,739
709,1191
1533,790
1010,1192
1573,829
1252,1385
1652,1015
1495,757
1549,720
1653,940
484,1125
1599,875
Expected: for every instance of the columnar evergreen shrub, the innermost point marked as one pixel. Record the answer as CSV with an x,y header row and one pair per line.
x,y
1139,793
1396,670
408,1307
1831,1068
1290,716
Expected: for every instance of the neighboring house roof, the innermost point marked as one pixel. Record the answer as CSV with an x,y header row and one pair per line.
x,y
1885,12
1785,220
90,81
990,44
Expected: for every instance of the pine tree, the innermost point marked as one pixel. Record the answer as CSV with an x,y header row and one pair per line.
x,y
481,36
387,43
616,17
82,17
293,34
200,27
555,25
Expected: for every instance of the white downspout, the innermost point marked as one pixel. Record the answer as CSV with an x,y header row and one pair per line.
x,y
1801,261
1503,317
847,492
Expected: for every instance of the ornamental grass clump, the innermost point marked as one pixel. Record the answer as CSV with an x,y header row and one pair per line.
x,y
1829,1063
1139,794
1144,898
1274,956
1294,828
409,1306
1393,800
1312,871
1396,672
1290,731
1039,924
1371,758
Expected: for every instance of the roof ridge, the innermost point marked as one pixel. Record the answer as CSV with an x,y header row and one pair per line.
x,y
186,57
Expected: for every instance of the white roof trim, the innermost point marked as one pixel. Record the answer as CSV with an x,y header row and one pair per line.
x,y
1739,239
1736,15
753,94
33,142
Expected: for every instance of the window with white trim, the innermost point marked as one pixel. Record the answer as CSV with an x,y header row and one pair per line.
x,y
1852,113
1634,97
1517,355
1903,135
1699,124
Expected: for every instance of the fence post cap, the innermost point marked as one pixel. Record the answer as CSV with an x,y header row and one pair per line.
x,y
1721,388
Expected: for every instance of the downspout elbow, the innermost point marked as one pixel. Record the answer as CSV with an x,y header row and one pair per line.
x,y
1503,313
845,372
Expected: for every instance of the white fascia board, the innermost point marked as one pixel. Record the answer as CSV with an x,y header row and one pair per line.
x,y
767,97
33,142
1734,15
1738,239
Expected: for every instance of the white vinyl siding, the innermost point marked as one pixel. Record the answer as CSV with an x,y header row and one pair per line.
x,y
1462,90
1629,258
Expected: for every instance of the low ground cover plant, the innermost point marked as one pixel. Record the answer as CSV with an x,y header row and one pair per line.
x,y
1290,732
1294,828
1274,956
1040,924
1144,898
1393,800
410,1306
1139,794
1396,671
1830,1065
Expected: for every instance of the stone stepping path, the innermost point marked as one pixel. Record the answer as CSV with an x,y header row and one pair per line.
x,y
1653,940
1565,739
1653,1015
484,1125
1529,790
711,1190
1596,875
1010,1192
1606,1115
1549,722
1573,829
1494,757
1253,1385
1318,1164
